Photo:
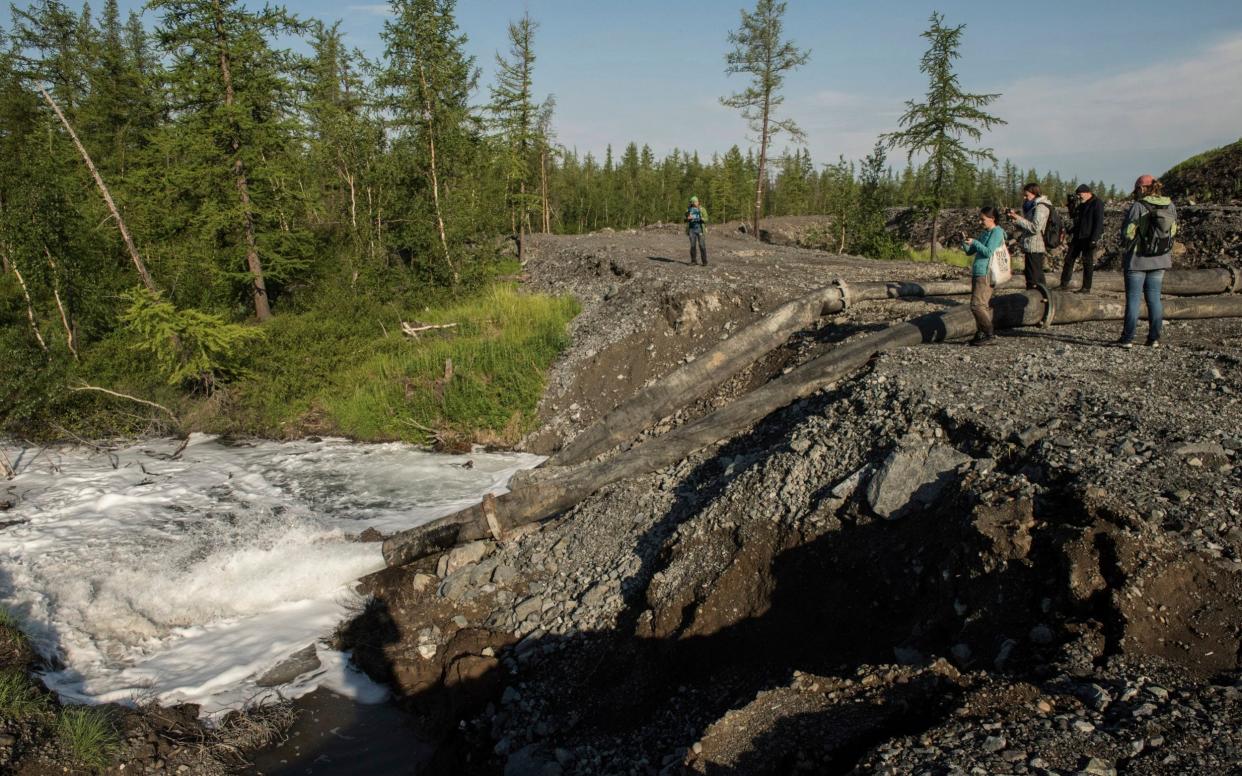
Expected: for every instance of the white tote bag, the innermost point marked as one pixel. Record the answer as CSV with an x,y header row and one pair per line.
x,y
999,268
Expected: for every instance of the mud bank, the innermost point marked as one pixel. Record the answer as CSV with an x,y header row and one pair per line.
x,y
1023,559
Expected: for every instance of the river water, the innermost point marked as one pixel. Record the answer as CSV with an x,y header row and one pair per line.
x,y
148,577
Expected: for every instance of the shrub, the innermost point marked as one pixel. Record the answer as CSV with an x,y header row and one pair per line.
x,y
189,346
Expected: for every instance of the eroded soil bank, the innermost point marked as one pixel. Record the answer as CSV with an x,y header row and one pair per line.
x,y
1017,559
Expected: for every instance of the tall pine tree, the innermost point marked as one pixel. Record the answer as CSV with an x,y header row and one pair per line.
x,y
939,126
760,52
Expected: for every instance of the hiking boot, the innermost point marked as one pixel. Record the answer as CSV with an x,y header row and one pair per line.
x,y
986,339
1153,343
1124,343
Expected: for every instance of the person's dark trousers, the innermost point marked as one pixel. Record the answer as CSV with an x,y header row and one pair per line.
x,y
698,245
1077,249
1034,269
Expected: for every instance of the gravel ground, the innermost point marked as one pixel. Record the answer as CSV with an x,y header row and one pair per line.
x,y
1018,559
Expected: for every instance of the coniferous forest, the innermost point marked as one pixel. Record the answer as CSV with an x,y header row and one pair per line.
x,y
229,203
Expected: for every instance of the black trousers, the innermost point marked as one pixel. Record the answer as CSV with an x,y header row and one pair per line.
x,y
1034,269
1079,248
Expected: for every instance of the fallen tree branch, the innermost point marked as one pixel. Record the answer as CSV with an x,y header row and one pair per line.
x,y
413,329
64,317
134,256
560,488
119,395
34,325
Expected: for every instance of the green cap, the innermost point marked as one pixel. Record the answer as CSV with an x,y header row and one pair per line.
x,y
694,199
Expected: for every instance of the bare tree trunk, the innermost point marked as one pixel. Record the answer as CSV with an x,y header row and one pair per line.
x,y
34,325
435,178
353,193
107,195
763,159
935,234
371,222
522,222
64,317
543,185
262,307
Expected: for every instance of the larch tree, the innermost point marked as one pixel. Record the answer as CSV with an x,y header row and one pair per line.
x,y
428,81
233,131
940,126
517,123
761,52
345,142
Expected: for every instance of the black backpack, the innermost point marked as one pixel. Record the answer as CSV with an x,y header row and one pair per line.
x,y
1054,230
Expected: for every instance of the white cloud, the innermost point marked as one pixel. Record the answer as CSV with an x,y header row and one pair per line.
x,y
374,9
1190,102
1109,127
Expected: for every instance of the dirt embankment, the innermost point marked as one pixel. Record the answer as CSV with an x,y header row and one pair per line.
x,y
1025,558
1214,176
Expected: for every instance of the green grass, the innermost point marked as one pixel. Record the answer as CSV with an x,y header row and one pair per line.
x,y
499,352
89,734
1198,160
354,373
951,256
343,368
19,697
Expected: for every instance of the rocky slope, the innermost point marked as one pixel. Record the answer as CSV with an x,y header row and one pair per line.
x,y
1018,559
1211,177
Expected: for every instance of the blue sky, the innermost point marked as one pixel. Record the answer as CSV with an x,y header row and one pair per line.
x,y
1106,91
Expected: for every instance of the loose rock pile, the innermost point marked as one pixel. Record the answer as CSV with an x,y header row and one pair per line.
x,y
1027,560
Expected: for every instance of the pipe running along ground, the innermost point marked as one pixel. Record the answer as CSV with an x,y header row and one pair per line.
x,y
562,487
710,370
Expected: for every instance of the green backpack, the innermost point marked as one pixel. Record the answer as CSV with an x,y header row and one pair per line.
x,y
1156,229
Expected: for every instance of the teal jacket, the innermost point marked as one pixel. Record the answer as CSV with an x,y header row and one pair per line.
x,y
982,249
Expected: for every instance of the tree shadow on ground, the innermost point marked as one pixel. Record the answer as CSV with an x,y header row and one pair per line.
x,y
666,260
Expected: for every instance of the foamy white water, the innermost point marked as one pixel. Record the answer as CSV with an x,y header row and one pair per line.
x,y
183,581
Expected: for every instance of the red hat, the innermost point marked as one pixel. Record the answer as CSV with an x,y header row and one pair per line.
x,y
1144,180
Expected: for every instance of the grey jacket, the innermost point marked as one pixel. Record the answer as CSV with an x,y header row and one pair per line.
x,y
1033,231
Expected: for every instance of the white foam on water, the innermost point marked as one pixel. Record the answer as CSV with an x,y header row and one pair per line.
x,y
183,580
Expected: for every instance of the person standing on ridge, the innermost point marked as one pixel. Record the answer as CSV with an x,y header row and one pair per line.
x,y
696,228
1036,210
1088,215
1147,251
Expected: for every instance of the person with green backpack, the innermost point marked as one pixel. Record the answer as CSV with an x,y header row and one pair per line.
x,y
696,228
1147,251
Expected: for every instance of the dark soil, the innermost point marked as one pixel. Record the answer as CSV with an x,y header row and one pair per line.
x,y
143,740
